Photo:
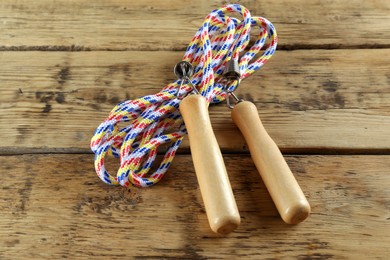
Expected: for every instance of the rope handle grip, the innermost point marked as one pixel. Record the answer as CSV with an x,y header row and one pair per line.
x,y
217,195
285,191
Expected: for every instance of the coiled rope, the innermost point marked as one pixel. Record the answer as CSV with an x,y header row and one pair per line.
x,y
154,120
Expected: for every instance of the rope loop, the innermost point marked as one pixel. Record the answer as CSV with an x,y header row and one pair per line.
x,y
155,120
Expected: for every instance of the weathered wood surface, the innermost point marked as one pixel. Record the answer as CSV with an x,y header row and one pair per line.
x,y
307,99
53,206
167,25
311,101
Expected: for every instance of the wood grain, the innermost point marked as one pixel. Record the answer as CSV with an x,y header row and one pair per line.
x,y
54,206
317,100
281,184
169,25
65,64
214,184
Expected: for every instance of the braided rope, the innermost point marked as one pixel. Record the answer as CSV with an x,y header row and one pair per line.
x,y
154,120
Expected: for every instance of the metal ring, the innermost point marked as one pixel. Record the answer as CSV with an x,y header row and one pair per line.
x,y
231,93
184,70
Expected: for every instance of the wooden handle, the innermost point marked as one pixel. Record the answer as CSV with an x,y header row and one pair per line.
x,y
214,184
288,197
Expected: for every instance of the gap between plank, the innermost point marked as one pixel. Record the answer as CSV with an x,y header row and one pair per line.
x,y
8,151
285,47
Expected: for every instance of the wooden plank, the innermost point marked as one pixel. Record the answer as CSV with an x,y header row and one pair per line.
x,y
169,25
53,206
308,100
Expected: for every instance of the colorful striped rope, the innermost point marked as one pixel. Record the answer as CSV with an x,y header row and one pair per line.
x,y
154,120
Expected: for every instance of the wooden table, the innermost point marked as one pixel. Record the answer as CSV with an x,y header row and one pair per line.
x,y
324,98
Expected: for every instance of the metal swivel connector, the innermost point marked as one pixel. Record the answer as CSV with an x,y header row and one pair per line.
x,y
231,73
184,71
